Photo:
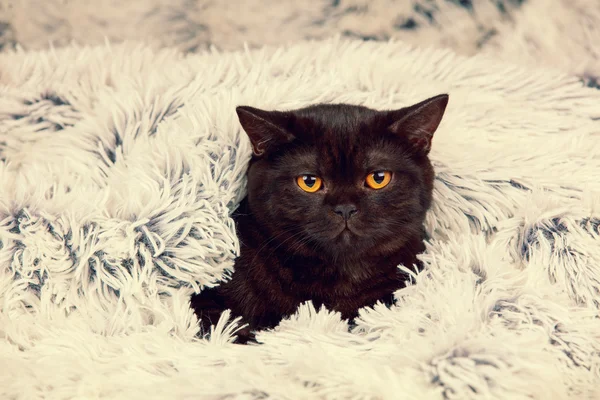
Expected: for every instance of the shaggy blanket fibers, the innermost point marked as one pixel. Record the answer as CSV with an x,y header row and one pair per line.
x,y
563,33
120,166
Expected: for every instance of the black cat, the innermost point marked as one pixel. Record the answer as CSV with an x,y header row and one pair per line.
x,y
337,196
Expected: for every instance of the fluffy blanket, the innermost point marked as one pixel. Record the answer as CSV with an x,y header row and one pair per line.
x,y
120,167
564,33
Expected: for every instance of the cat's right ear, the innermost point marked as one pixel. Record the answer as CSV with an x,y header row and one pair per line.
x,y
266,129
419,122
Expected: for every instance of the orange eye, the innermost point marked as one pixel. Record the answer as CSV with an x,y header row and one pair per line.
x,y
378,179
309,183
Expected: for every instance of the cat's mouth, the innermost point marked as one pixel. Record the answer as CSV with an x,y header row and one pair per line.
x,y
346,234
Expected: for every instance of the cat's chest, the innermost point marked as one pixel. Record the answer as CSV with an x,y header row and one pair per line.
x,y
266,287
335,284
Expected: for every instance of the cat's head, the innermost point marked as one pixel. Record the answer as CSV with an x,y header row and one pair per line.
x,y
341,180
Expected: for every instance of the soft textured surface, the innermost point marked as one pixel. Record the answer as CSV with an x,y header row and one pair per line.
x,y
563,33
121,164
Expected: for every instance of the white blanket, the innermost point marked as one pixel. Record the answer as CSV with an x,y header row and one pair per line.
x,y
561,33
120,166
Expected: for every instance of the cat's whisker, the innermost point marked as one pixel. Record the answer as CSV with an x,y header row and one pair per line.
x,y
269,241
295,236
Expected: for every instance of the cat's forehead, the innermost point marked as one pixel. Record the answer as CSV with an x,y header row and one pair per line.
x,y
341,138
336,130
342,155
336,117
349,153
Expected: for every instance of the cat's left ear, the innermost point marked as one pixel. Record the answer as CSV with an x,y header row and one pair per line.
x,y
266,129
419,122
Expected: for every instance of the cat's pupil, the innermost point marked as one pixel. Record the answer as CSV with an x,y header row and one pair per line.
x,y
309,180
378,177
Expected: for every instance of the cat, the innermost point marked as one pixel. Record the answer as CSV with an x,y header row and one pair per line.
x,y
337,197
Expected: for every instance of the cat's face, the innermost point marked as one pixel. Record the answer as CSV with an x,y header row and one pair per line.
x,y
341,181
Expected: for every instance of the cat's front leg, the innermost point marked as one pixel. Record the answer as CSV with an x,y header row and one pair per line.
x,y
208,306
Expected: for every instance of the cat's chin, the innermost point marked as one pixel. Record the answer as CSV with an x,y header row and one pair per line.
x,y
347,236
346,240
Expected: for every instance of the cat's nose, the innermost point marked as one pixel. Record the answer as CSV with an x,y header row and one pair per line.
x,y
345,211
